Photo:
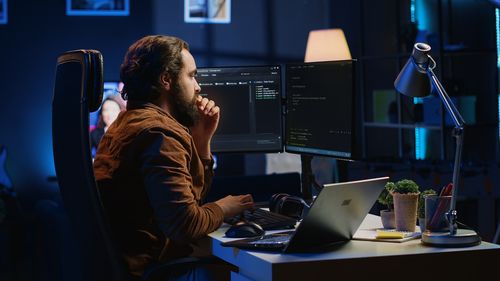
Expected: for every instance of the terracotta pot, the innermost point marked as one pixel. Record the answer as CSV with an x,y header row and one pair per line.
x,y
388,219
405,211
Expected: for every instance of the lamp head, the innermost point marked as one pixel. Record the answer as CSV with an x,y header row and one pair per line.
x,y
412,80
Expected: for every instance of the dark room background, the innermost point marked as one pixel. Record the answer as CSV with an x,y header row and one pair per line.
x,y
261,32
380,34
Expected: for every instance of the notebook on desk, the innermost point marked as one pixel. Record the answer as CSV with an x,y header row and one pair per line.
x,y
334,217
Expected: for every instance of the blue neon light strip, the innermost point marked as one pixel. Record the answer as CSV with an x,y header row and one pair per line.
x,y
412,11
420,133
497,22
420,137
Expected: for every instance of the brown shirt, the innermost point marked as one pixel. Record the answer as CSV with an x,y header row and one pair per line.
x,y
152,181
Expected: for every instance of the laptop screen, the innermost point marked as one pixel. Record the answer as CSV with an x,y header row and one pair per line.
x,y
334,217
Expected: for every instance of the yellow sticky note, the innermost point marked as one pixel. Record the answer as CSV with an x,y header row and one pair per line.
x,y
384,234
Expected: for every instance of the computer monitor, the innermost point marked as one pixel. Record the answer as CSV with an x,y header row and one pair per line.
x,y
109,88
96,128
251,108
320,115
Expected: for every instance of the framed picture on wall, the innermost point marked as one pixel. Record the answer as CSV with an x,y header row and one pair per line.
x,y
97,7
3,11
207,11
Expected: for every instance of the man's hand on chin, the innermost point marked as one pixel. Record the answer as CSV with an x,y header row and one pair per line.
x,y
205,126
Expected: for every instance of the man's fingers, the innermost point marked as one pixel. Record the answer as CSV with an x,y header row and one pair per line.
x,y
247,206
203,103
247,198
214,111
209,106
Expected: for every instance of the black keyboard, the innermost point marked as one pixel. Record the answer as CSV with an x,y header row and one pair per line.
x,y
266,219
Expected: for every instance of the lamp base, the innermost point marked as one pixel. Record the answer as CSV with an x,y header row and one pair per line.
x,y
463,238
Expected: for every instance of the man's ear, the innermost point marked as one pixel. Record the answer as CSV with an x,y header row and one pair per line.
x,y
165,81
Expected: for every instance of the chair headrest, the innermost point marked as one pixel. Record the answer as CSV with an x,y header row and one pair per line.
x,y
92,65
96,92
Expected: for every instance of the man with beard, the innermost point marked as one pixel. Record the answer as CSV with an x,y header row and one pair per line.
x,y
154,165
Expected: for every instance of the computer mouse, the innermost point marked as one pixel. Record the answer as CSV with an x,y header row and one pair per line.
x,y
244,229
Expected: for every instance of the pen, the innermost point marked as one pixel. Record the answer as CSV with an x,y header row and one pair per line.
x,y
441,207
446,190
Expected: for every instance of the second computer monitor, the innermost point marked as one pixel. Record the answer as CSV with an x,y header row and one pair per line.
x,y
251,110
320,117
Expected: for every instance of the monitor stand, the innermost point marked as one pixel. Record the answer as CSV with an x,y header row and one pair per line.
x,y
307,178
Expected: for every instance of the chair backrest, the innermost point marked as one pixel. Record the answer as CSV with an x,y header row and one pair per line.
x,y
78,90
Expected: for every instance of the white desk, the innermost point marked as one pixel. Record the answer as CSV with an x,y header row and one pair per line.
x,y
362,259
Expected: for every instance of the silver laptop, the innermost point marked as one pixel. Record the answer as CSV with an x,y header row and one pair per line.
x,y
334,217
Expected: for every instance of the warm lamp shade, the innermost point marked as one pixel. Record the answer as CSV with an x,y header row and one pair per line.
x,y
327,45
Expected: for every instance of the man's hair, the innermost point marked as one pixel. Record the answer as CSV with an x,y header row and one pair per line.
x,y
145,61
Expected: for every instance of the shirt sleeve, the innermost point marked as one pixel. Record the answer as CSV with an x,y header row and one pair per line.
x,y
164,165
208,171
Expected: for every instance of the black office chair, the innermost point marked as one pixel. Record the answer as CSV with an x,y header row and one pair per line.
x,y
78,91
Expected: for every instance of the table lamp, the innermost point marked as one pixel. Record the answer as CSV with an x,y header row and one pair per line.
x,y
327,45
415,80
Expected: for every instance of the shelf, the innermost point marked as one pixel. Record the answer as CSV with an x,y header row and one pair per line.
x,y
446,53
400,126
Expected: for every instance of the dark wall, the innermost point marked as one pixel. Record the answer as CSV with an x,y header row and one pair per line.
x,y
261,31
37,32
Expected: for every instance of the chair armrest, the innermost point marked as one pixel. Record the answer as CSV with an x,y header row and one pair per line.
x,y
166,270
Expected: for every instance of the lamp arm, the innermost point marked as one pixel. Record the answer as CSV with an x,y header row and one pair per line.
x,y
458,134
448,104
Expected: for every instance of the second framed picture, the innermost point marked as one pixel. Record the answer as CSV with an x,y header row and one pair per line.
x,y
207,11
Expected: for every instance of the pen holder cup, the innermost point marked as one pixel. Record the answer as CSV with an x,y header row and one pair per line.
x,y
436,208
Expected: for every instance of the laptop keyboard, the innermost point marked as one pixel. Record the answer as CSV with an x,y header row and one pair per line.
x,y
273,239
266,219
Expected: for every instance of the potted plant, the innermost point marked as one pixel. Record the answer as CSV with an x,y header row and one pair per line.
x,y
421,207
405,195
385,198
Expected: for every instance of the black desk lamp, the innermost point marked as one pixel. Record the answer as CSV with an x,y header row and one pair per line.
x,y
415,80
